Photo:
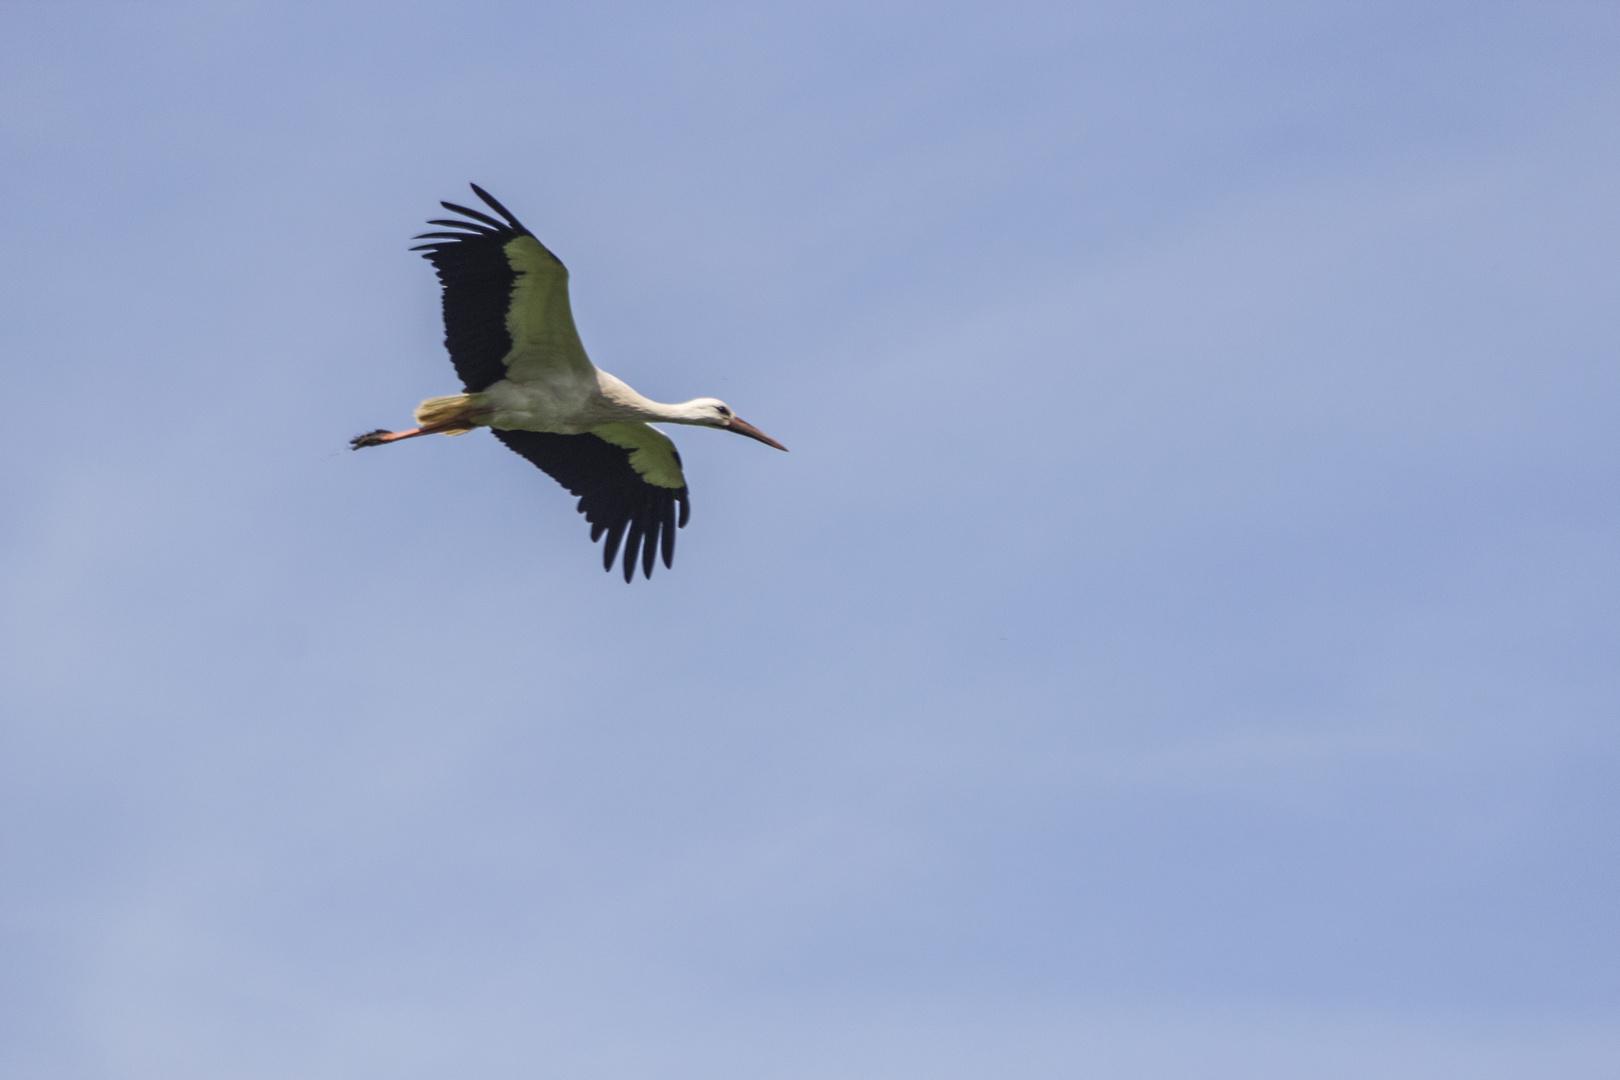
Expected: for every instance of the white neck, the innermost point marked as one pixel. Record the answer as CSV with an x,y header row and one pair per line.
x,y
633,406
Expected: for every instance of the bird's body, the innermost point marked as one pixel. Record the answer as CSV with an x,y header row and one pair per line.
x,y
568,404
511,336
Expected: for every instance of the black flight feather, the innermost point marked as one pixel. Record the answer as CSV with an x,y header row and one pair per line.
x,y
477,280
468,225
649,522
457,208
669,535
495,205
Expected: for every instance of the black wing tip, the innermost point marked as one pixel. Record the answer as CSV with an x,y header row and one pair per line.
x,y
610,547
457,208
638,538
511,224
636,521
458,223
647,525
668,536
495,205
643,536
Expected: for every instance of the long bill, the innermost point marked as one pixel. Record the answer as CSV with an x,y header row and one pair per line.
x,y
743,427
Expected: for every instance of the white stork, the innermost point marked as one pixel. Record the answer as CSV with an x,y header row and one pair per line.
x,y
511,337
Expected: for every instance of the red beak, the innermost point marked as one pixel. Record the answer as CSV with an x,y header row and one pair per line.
x,y
743,427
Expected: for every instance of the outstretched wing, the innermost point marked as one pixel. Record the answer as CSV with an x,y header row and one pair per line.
x,y
628,479
505,299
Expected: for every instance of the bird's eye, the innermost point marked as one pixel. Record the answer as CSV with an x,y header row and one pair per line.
x,y
723,410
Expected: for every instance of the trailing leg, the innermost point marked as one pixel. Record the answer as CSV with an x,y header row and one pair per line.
x,y
454,415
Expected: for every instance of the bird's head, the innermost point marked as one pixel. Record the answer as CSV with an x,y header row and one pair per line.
x,y
712,412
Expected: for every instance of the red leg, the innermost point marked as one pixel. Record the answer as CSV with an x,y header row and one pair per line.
x,y
380,436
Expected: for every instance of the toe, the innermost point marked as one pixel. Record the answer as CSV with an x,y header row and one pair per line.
x,y
370,438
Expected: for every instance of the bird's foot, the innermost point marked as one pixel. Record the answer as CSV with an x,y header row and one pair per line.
x,y
456,425
370,438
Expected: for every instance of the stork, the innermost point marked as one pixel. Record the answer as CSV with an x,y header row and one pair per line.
x,y
512,340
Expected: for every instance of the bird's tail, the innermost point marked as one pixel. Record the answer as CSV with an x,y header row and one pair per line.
x,y
439,410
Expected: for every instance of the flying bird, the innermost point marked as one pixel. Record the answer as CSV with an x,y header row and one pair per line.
x,y
512,340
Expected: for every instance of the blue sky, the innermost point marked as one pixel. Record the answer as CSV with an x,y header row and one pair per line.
x,y
1180,643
